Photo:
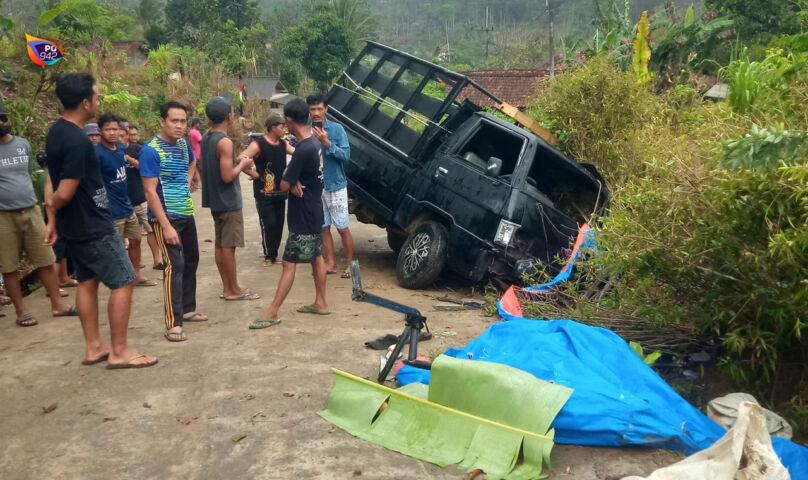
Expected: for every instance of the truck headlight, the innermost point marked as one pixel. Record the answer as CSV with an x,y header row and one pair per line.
x,y
505,232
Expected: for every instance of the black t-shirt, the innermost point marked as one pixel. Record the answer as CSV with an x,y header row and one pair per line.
x,y
71,156
305,214
134,184
270,164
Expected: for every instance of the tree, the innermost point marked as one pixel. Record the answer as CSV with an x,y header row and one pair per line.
x,y
359,21
322,44
753,17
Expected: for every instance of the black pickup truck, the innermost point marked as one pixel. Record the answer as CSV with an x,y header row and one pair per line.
x,y
456,187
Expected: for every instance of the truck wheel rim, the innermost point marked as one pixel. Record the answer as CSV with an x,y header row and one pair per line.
x,y
416,252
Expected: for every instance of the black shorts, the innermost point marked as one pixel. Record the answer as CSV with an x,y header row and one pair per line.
x,y
104,258
303,247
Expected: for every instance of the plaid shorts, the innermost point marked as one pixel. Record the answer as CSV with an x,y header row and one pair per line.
x,y
303,247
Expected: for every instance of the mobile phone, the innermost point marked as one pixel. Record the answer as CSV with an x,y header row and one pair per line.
x,y
316,124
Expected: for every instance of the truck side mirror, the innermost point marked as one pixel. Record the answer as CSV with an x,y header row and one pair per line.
x,y
494,167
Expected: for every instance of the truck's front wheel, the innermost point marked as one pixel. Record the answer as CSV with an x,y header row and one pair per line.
x,y
423,256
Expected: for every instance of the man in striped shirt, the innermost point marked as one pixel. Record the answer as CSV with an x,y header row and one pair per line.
x,y
166,164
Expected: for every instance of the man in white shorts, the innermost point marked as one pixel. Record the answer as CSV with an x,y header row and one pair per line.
x,y
336,151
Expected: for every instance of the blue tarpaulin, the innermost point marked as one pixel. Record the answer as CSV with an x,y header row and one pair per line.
x,y
617,400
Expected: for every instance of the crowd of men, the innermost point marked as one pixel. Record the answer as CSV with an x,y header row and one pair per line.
x,y
105,191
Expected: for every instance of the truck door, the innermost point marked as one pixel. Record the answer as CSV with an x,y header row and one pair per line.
x,y
458,184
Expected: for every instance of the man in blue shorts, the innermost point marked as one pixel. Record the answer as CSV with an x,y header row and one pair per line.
x,y
78,209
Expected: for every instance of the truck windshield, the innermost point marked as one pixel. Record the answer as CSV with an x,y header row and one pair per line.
x,y
491,141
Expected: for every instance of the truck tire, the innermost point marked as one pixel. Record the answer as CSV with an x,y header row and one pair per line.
x,y
422,256
395,240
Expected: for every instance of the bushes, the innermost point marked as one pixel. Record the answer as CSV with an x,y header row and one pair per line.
x,y
708,223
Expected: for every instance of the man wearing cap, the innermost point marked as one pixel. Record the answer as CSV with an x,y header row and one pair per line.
x,y
21,225
91,130
166,163
221,192
269,153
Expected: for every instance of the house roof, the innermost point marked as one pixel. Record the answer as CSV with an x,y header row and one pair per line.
x,y
512,86
262,87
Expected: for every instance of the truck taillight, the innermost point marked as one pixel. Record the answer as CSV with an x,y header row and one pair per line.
x,y
505,232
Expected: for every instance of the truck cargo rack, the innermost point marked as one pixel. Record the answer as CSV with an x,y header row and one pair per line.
x,y
406,102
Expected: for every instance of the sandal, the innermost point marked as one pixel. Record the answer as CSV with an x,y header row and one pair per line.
x,y
312,310
250,295
345,275
70,312
260,323
176,336
129,364
62,293
68,284
195,317
146,283
159,266
26,320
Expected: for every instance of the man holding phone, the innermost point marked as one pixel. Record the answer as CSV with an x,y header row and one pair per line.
x,y
336,151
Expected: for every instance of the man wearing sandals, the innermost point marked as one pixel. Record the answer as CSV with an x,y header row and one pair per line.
x,y
78,209
304,180
166,166
221,192
111,155
21,225
336,151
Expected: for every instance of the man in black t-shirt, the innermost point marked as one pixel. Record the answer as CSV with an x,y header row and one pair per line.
x,y
304,180
78,209
269,155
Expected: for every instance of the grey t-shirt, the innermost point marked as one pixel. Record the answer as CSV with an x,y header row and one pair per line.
x,y
16,164
216,194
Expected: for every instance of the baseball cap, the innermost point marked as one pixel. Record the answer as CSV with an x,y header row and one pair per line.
x,y
91,129
3,110
217,109
274,119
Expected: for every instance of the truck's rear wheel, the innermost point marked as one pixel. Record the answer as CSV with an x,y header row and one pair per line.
x,y
395,240
422,256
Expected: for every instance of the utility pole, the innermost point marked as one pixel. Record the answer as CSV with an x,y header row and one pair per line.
x,y
550,32
489,25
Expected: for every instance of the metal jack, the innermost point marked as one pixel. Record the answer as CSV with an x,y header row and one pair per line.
x,y
413,321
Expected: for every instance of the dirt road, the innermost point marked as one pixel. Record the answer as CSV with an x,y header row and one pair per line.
x,y
179,419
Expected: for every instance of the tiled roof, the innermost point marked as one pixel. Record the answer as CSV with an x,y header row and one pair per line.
x,y
512,86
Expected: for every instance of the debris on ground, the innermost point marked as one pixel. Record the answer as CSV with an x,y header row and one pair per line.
x,y
470,407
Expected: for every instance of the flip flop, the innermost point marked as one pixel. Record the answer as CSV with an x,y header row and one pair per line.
x,y
345,275
312,310
193,316
97,360
159,266
72,283
250,295
330,272
146,283
260,323
175,336
26,320
129,364
382,343
70,312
